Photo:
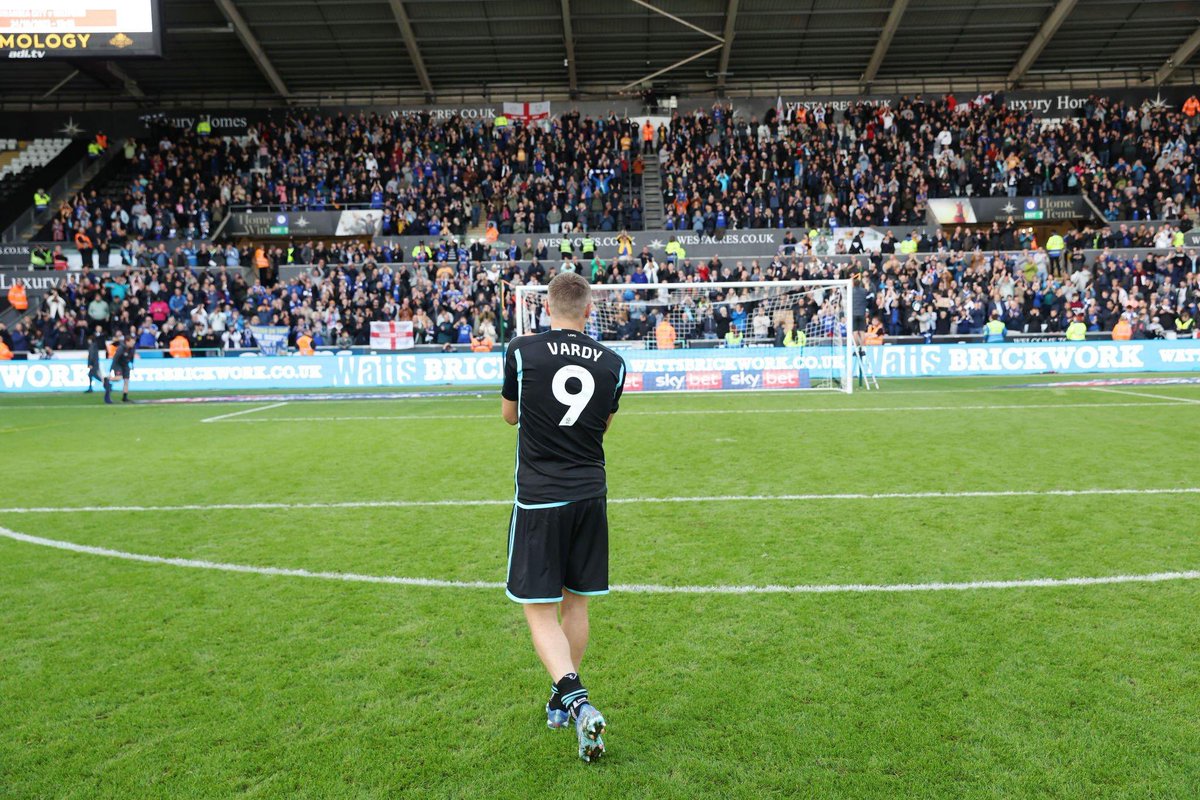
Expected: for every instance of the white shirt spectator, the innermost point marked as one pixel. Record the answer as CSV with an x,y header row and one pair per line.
x,y
200,319
56,306
761,324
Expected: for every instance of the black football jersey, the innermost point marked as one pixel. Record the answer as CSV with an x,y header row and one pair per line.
x,y
122,358
565,384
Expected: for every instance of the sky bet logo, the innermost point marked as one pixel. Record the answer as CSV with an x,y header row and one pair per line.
x,y
676,381
666,381
766,379
744,380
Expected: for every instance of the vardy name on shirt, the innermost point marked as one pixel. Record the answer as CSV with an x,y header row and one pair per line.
x,y
573,349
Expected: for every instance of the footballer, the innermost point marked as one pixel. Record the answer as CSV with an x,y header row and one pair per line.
x,y
561,390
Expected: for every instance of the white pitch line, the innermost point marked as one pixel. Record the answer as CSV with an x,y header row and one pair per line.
x,y
709,412
1110,390
635,588
717,498
244,411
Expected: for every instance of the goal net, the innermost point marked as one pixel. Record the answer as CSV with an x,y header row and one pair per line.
x,y
687,336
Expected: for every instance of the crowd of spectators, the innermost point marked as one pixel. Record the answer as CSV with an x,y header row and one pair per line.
x,y
867,164
453,298
821,171
163,190
425,176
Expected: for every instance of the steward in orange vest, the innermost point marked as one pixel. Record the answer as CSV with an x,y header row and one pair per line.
x,y
874,334
179,347
17,297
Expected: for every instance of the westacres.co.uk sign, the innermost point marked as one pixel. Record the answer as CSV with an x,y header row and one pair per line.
x,y
16,254
679,370
758,242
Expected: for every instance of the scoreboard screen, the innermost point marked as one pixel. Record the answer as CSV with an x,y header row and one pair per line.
x,y
39,29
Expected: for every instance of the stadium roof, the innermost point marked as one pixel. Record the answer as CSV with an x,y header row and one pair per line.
x,y
243,52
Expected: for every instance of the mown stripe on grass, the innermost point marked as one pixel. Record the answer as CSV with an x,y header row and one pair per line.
x,y
716,411
711,498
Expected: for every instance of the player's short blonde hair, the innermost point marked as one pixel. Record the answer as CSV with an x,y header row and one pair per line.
x,y
569,296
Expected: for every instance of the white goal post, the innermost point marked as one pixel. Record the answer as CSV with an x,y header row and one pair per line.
x,y
731,335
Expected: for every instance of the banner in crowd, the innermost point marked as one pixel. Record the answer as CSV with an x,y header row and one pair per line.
x,y
971,210
646,370
271,339
392,335
527,112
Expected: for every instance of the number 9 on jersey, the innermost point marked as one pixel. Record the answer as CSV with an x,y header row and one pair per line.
x,y
575,402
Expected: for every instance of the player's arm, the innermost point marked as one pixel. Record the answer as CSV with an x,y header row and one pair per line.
x,y
508,394
616,403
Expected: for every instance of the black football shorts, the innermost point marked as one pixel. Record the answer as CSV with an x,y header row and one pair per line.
x,y
558,547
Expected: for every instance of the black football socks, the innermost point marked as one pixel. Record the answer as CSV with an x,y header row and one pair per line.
x,y
571,693
556,699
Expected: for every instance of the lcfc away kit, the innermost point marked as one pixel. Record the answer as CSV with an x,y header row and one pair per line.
x,y
565,385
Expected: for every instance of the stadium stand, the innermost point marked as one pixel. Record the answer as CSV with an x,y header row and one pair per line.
x,y
442,178
27,168
34,154
877,165
426,176
865,165
202,292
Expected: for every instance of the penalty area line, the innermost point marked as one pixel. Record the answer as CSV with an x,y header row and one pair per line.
x,y
633,588
1128,393
243,411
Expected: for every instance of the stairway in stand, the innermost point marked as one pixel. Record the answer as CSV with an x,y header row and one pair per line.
x,y
652,199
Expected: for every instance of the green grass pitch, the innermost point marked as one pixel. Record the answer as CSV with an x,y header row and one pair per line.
x,y
122,679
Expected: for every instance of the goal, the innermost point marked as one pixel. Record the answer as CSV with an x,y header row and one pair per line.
x,y
687,336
